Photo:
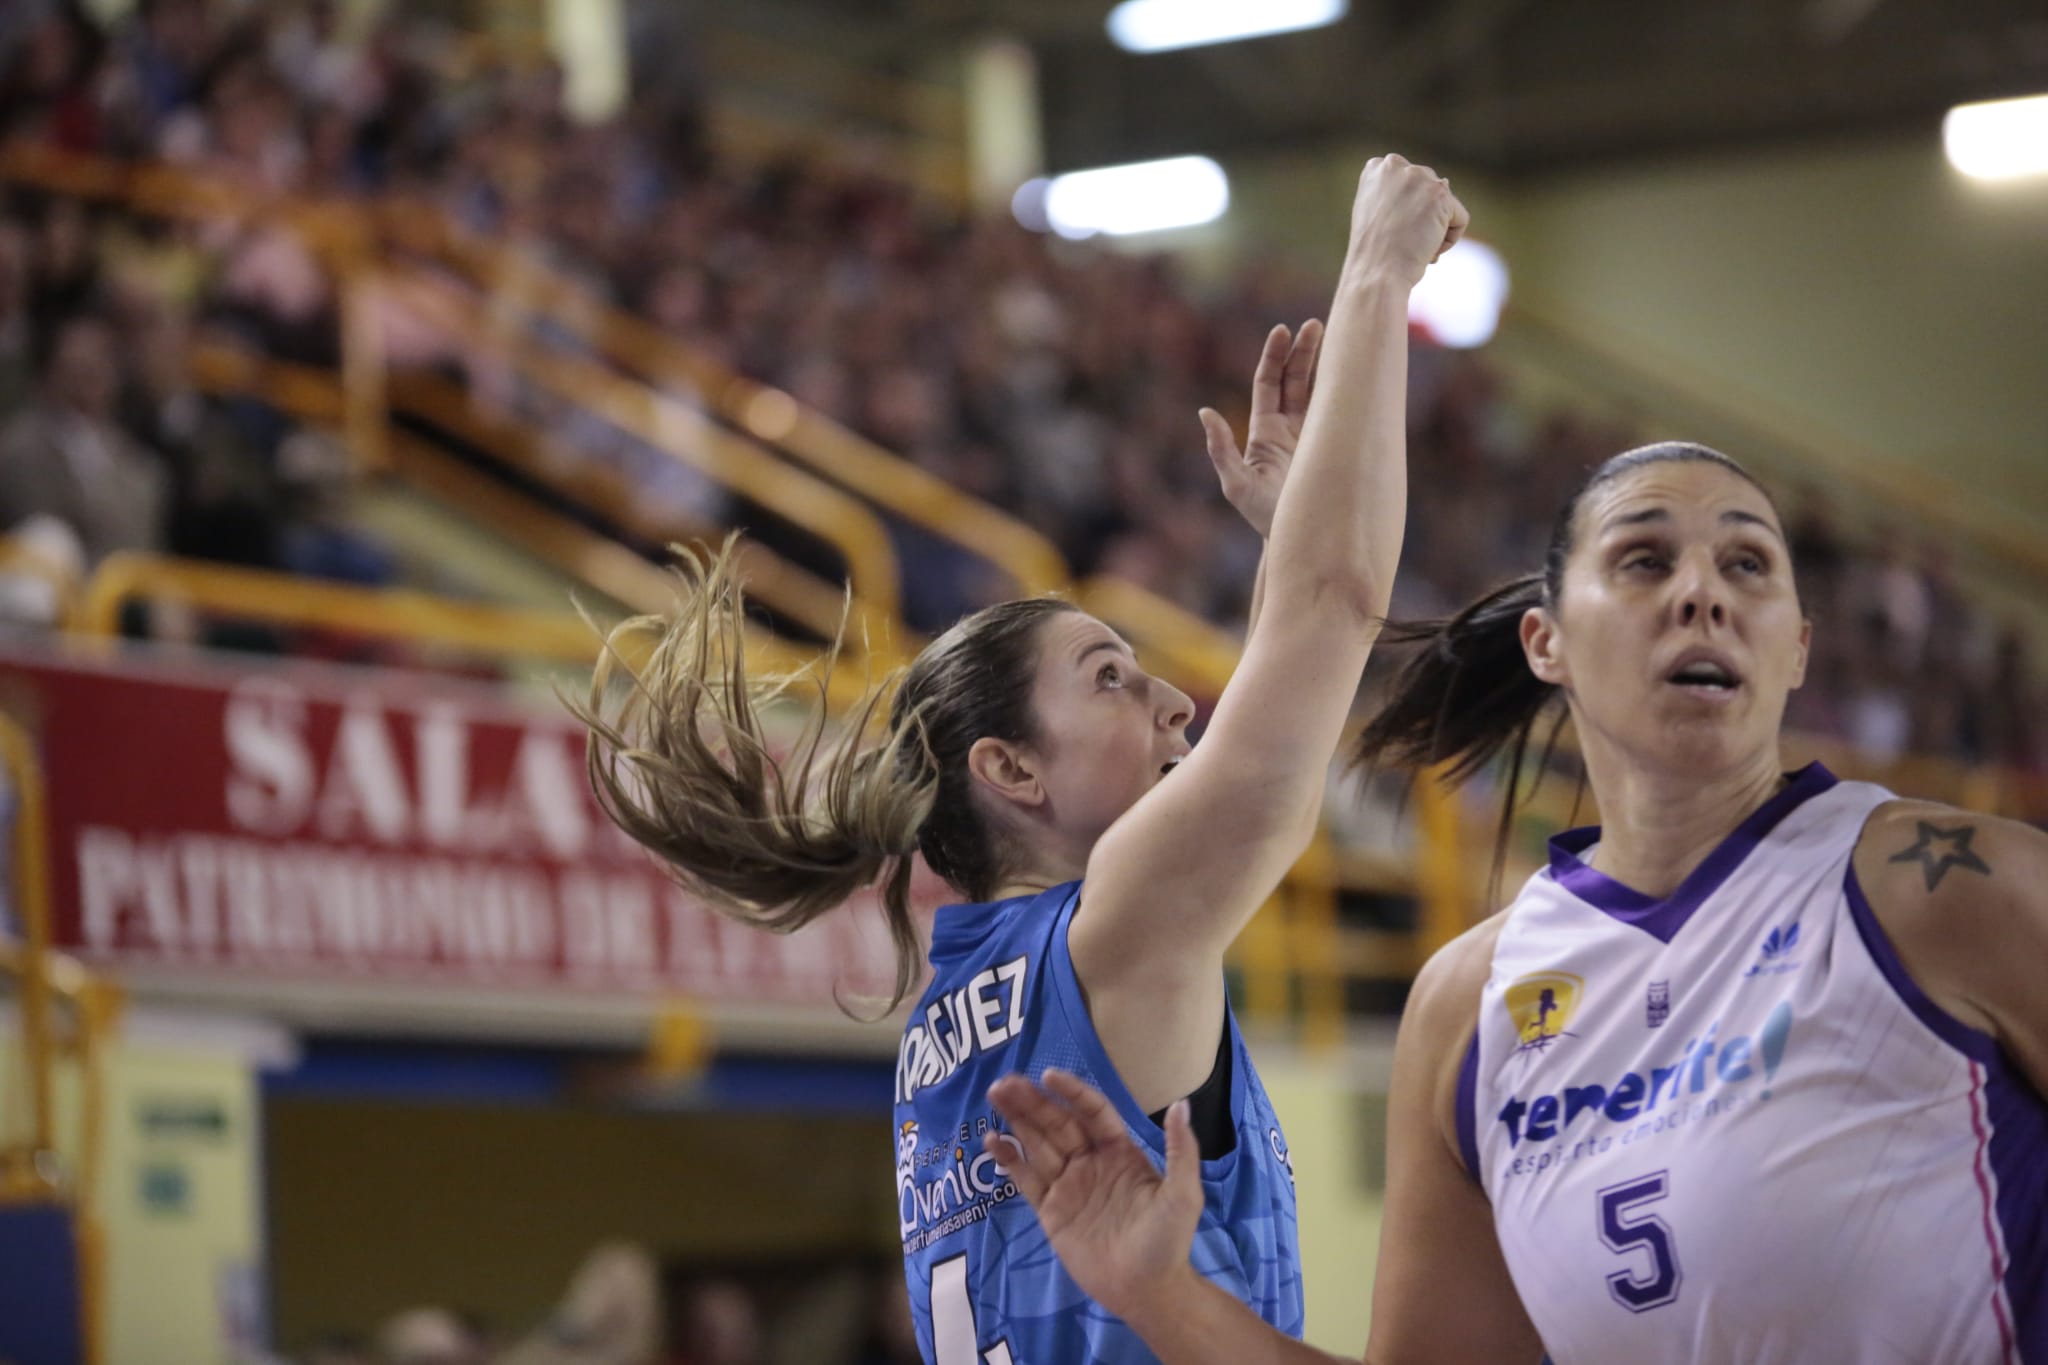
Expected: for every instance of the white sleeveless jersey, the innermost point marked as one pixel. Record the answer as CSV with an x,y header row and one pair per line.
x,y
1726,1128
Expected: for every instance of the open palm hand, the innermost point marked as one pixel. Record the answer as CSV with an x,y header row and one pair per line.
x,y
1281,388
1122,1229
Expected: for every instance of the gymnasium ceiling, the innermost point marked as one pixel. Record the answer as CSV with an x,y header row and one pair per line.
x,y
1511,85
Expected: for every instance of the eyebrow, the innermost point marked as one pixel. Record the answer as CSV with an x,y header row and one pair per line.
x,y
1116,646
1732,517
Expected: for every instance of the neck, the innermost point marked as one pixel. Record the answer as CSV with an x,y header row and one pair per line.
x,y
1032,882
1658,824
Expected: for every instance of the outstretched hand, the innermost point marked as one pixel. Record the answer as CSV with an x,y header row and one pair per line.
x,y
1281,388
1122,1230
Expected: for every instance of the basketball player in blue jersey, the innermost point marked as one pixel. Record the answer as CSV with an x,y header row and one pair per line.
x,y
1026,756
1752,1073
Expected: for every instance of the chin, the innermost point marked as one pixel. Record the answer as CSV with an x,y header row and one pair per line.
x,y
1704,744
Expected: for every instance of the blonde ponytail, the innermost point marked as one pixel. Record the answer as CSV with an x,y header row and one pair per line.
x,y
679,761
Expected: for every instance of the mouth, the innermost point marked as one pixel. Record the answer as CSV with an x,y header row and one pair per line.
x,y
1706,674
1171,764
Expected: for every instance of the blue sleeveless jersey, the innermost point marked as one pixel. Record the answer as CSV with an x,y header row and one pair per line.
x,y
985,1287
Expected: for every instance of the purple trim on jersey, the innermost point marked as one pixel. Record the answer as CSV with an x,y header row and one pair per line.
x,y
1663,919
2018,1146
1468,1111
2019,1166
1978,1047
2001,1309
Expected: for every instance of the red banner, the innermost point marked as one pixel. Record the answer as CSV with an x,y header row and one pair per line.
x,y
295,820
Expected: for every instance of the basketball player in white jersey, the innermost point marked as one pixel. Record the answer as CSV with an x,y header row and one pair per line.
x,y
1752,1074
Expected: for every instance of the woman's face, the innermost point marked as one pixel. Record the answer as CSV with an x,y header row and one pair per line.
x,y
1107,730
1678,634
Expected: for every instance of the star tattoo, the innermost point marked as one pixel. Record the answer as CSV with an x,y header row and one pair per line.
x,y
1938,850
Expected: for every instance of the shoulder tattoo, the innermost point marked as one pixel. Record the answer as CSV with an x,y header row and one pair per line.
x,y
1938,850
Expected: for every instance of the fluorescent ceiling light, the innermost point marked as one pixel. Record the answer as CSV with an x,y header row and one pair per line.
x,y
2000,139
1146,196
1162,25
1459,300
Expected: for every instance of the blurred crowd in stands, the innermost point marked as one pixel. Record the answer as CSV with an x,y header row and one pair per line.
x,y
1056,380
620,1308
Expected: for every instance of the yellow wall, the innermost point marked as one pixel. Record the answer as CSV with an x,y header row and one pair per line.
x,y
1890,305
178,1196
1331,1136
1867,289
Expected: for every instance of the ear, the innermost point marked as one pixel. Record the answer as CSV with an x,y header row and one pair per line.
x,y
1542,646
1805,645
1006,771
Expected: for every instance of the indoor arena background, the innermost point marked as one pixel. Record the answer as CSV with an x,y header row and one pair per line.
x,y
336,1027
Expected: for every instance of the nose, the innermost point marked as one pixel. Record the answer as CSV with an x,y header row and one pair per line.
x,y
1173,706
1702,596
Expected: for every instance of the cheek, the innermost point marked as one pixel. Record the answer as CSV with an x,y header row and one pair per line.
x,y
1604,647
1781,644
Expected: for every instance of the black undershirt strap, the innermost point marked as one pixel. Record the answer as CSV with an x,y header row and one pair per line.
x,y
1209,1107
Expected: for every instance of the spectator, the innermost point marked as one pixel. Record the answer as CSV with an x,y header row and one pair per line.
x,y
65,456
611,1315
16,367
429,1336
721,1325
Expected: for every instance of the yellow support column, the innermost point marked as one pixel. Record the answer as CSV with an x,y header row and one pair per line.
x,y
1447,900
27,1173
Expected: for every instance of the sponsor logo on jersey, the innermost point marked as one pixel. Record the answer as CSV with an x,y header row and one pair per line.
x,y
1657,1005
948,1186
985,1013
1776,954
1542,1005
1280,1151
1707,1064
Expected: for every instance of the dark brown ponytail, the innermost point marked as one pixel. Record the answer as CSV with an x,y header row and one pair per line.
x,y
1467,693
1463,696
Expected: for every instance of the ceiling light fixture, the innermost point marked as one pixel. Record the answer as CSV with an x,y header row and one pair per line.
x,y
1998,139
1145,196
1163,25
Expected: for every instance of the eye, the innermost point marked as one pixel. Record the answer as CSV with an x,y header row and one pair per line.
x,y
1642,559
1108,676
1750,562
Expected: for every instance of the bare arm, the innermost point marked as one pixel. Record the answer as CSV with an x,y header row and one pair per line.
x,y
1171,883
1964,899
1437,1241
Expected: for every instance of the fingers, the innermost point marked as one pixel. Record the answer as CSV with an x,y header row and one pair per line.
x,y
1455,230
1221,442
1183,1154
1006,1151
1267,379
1298,381
1098,1116
1052,1135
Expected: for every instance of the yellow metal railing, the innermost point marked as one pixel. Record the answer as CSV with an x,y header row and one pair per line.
x,y
666,424
30,1172
346,238
637,347
383,613
623,574
26,1171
